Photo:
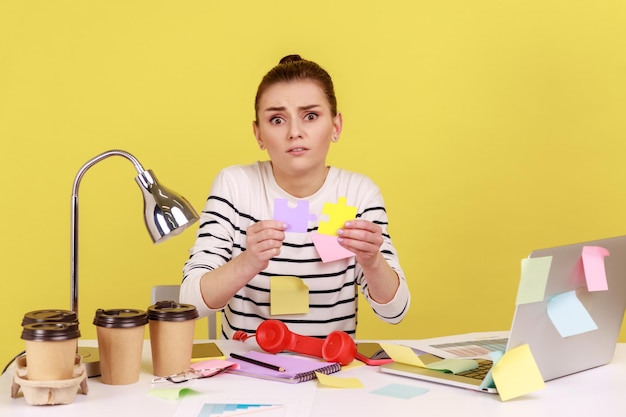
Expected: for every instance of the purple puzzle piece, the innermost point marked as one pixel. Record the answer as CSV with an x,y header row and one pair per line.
x,y
296,215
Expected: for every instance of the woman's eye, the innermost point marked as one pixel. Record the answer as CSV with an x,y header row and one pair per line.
x,y
311,116
276,120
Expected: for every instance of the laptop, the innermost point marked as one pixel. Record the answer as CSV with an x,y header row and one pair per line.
x,y
556,356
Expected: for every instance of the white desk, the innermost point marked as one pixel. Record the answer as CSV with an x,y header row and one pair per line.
x,y
597,392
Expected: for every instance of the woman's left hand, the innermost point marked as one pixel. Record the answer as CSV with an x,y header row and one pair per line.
x,y
363,238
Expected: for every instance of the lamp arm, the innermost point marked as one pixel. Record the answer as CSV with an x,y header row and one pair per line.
x,y
74,217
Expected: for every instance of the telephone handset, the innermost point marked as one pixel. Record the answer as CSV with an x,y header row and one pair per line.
x,y
273,336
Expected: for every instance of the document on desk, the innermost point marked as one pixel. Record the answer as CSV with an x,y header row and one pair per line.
x,y
231,395
468,345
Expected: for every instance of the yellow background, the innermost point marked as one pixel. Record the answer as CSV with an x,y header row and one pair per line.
x,y
493,128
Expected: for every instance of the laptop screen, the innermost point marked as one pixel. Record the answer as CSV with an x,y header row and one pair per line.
x,y
573,326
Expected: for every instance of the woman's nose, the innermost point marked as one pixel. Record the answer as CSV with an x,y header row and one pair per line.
x,y
295,130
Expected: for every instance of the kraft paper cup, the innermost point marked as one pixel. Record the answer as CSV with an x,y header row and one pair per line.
x,y
50,350
50,316
171,336
120,335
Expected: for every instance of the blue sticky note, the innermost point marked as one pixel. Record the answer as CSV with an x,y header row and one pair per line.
x,y
400,391
569,315
488,381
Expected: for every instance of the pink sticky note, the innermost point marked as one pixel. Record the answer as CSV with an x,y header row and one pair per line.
x,y
329,249
593,264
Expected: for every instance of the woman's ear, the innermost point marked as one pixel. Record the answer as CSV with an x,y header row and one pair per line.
x,y
257,134
337,126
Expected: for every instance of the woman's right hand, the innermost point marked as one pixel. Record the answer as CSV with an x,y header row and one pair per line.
x,y
263,242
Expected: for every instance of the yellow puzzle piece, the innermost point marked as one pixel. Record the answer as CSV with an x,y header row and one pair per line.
x,y
337,214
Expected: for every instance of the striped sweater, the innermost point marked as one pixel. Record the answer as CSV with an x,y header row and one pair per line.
x,y
242,195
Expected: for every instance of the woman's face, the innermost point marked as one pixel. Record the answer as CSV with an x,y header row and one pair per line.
x,y
296,126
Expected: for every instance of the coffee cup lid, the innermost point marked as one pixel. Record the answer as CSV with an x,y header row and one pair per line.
x,y
50,331
50,315
172,311
120,318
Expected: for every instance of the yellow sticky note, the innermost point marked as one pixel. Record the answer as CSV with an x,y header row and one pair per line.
x,y
354,364
288,295
402,354
517,374
336,382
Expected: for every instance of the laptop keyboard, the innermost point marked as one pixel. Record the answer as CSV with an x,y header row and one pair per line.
x,y
479,373
473,348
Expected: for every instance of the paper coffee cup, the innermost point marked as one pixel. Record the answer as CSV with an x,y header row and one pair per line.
x,y
50,350
120,335
172,328
50,316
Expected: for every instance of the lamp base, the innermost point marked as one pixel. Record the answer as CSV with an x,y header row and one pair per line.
x,y
91,360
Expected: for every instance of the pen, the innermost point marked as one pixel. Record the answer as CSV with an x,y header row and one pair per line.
x,y
259,363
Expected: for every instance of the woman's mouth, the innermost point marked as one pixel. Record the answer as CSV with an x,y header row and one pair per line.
x,y
297,151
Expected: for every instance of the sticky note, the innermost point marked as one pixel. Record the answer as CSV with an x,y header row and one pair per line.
x,y
488,380
295,214
593,264
404,392
406,355
402,354
453,365
329,248
337,215
171,393
352,365
532,286
517,374
337,382
288,295
569,315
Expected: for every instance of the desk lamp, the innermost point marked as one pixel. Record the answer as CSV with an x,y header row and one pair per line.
x,y
166,214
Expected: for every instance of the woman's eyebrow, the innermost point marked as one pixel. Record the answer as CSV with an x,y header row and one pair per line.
x,y
283,108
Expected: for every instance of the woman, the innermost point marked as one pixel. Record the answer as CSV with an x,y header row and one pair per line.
x,y
239,246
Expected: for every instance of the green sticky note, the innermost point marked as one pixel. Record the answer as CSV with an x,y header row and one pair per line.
x,y
454,366
172,393
400,391
532,286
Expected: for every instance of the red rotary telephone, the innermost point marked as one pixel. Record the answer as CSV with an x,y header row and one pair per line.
x,y
273,336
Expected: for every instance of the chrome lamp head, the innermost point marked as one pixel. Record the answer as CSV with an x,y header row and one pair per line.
x,y
166,212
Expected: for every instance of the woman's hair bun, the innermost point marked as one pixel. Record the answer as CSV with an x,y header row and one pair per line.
x,y
291,58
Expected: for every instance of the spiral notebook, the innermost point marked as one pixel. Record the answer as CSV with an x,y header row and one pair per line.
x,y
297,369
